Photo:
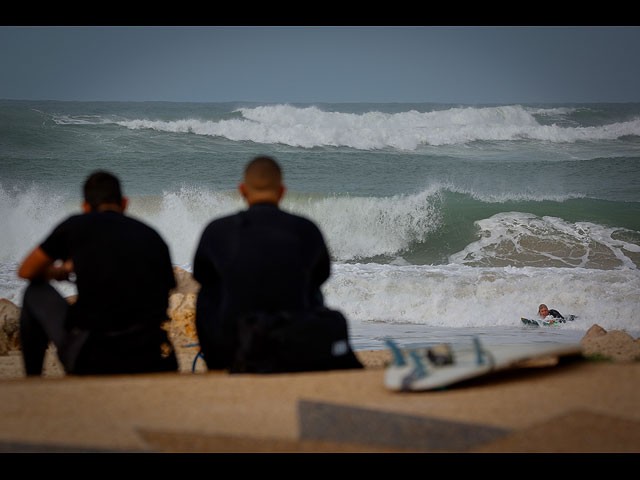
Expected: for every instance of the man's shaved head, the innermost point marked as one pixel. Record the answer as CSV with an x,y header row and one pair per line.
x,y
262,181
263,173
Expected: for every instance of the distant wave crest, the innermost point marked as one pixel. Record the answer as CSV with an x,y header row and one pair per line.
x,y
309,127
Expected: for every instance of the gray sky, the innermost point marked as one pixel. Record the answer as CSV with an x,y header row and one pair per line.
x,y
322,64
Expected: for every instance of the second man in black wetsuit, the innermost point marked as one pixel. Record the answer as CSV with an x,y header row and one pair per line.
x,y
262,259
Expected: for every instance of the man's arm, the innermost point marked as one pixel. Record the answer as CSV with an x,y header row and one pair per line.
x,y
321,270
203,270
40,265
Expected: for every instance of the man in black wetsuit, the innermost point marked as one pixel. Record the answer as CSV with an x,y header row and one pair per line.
x,y
259,260
123,274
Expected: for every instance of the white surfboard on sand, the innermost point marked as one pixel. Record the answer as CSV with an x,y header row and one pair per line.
x,y
438,367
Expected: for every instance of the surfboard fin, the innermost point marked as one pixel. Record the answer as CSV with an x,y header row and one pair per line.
x,y
417,372
398,357
483,356
480,355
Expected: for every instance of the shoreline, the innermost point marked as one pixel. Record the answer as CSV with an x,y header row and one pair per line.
x,y
597,344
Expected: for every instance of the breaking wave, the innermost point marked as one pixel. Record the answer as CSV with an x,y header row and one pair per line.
x,y
311,126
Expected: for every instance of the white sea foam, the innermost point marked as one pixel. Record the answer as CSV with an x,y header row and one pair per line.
x,y
551,112
460,296
77,119
530,195
521,239
309,127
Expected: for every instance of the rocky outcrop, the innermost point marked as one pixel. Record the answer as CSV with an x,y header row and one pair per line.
x,y
185,283
615,345
182,310
182,316
9,326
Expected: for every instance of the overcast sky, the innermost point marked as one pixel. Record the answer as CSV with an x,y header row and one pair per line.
x,y
322,64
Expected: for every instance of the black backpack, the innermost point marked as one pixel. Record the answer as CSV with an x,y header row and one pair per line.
x,y
293,342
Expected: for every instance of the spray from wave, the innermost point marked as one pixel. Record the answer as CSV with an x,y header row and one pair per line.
x,y
26,216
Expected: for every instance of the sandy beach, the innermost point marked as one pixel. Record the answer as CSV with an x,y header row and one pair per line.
x,y
583,403
578,405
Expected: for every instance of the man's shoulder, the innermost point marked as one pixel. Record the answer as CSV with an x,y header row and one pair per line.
x,y
69,224
301,221
224,221
118,222
141,227
61,233
72,219
221,227
280,217
113,218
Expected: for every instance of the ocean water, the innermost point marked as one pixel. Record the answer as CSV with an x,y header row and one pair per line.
x,y
443,221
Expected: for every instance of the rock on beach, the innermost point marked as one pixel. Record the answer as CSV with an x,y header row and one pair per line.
x,y
182,310
185,283
182,316
616,345
9,326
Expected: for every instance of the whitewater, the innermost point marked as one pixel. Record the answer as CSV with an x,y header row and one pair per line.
x,y
443,221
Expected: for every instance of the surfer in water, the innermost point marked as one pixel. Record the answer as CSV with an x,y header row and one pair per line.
x,y
544,312
549,317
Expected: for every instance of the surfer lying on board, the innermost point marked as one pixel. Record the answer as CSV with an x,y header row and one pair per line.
x,y
549,317
544,312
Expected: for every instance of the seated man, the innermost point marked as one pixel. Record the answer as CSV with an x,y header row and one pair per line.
x,y
123,273
262,261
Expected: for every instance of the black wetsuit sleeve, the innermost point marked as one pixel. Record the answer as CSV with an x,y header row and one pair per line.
x,y
555,314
